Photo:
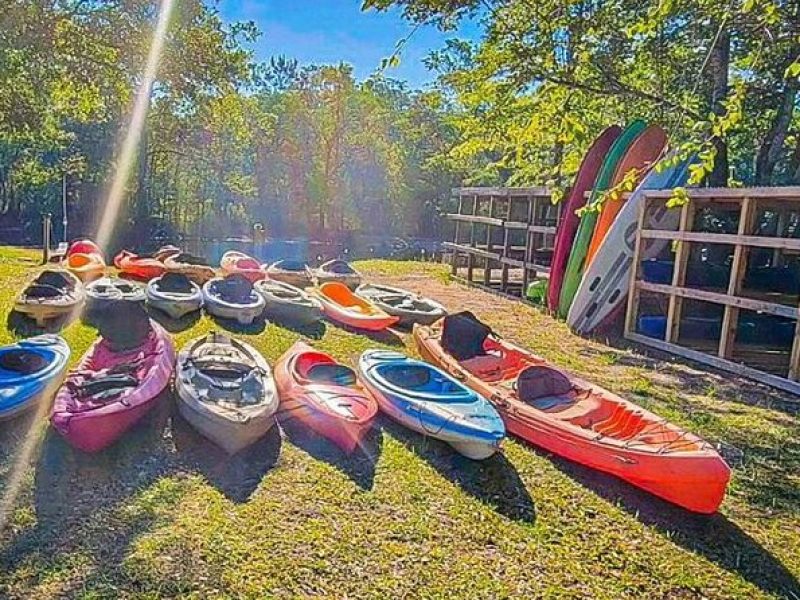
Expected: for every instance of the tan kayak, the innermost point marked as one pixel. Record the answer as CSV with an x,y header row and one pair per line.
x,y
52,294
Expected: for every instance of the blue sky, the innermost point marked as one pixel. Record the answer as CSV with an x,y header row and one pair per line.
x,y
331,31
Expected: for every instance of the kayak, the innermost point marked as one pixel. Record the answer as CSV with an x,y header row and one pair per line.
x,y
568,227
233,263
339,271
52,294
341,304
573,270
85,260
140,267
194,267
603,290
233,297
293,272
112,389
286,303
408,307
103,292
174,294
643,153
575,419
30,372
426,400
323,395
226,391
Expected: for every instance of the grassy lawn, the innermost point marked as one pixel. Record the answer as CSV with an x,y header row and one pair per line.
x,y
164,514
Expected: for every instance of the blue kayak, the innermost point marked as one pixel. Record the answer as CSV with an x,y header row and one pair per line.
x,y
427,400
31,372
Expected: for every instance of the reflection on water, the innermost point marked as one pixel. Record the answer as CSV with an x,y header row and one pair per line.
x,y
315,252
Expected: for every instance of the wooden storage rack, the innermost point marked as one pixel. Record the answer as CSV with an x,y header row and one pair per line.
x,y
510,230
783,203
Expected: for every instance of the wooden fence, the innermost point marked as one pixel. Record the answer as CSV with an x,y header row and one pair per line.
x,y
743,277
503,237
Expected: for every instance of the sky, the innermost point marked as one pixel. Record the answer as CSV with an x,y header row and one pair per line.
x,y
332,31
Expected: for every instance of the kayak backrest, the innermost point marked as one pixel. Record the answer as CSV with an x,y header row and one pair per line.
x,y
463,335
56,279
338,267
190,259
25,362
175,282
541,381
289,265
235,287
123,323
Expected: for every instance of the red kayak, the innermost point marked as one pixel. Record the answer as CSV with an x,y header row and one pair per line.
x,y
578,420
239,263
143,268
111,389
323,395
584,182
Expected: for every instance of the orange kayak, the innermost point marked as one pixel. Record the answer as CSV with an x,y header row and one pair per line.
x,y
239,263
85,260
138,267
575,419
640,158
340,304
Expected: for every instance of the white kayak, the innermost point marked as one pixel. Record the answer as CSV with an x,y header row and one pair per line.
x,y
233,297
226,391
174,294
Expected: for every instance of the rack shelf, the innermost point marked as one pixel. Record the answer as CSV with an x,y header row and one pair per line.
x,y
725,351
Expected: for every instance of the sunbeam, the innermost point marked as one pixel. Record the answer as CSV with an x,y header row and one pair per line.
x,y
133,134
110,212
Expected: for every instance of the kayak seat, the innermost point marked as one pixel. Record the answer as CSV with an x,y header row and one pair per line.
x,y
54,279
106,387
190,259
332,373
25,362
236,288
338,267
419,379
40,290
463,336
539,382
176,283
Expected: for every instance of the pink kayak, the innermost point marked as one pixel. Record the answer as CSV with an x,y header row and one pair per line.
x,y
110,390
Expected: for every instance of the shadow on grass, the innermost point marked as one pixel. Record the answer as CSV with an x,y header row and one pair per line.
x,y
24,326
358,466
712,536
314,331
77,497
386,336
493,481
234,326
236,476
174,325
84,506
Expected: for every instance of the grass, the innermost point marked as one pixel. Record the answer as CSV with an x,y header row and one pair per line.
x,y
163,514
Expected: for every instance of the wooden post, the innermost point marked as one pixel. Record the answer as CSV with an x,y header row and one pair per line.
x,y
487,262
506,246
730,319
528,254
679,274
454,258
46,227
470,256
633,291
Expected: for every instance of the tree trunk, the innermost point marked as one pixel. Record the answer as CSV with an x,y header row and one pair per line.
x,y
718,65
770,151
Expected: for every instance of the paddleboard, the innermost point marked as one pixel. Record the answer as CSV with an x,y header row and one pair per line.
x,y
640,157
574,270
604,287
584,180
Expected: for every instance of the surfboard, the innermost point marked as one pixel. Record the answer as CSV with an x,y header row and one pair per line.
x,y
568,227
604,287
577,255
640,157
